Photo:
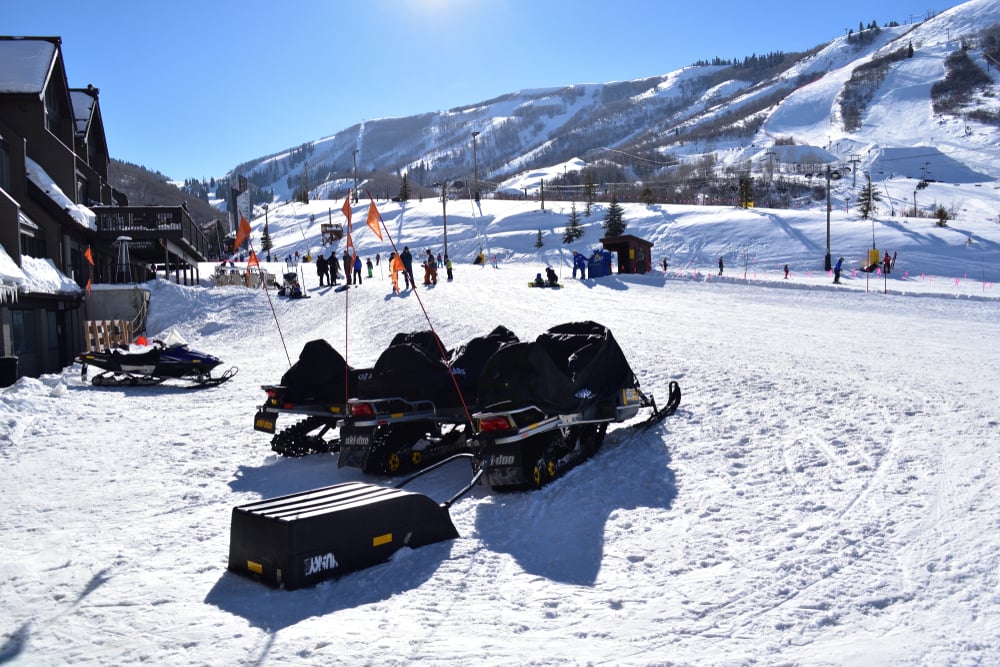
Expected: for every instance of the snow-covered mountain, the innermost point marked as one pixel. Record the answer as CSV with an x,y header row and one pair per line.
x,y
839,103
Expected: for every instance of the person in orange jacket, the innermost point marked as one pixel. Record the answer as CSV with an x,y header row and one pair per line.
x,y
395,266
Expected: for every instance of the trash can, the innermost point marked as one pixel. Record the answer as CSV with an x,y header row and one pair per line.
x,y
8,371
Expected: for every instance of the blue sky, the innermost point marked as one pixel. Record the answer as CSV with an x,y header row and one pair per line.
x,y
193,89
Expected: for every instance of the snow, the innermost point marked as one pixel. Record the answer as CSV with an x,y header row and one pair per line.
x,y
80,213
26,64
824,495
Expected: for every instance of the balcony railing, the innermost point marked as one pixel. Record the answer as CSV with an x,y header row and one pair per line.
x,y
147,222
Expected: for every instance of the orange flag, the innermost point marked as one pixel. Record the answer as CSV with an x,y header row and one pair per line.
x,y
253,259
373,218
88,286
89,256
242,233
347,209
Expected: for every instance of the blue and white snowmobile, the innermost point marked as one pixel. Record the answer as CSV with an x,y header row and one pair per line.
x,y
144,364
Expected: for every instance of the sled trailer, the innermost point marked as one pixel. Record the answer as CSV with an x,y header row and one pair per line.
x,y
304,538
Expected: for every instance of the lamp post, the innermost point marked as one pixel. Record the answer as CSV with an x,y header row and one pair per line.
x,y
827,264
475,164
444,213
267,234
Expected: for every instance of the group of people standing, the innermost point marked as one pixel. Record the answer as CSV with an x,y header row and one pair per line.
x,y
328,269
403,263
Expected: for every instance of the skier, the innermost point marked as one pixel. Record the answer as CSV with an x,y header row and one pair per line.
x,y
836,271
720,265
368,263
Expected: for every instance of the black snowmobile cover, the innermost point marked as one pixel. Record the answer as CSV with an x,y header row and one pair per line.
x,y
411,367
318,375
565,369
469,360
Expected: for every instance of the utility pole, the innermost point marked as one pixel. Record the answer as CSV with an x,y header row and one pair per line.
x,y
267,233
826,261
444,213
355,175
475,163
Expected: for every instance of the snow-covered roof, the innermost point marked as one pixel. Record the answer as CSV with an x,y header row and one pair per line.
x,y
78,212
26,64
83,109
36,276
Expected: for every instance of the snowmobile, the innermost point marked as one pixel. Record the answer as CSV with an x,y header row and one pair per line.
x,y
314,389
547,404
410,410
149,364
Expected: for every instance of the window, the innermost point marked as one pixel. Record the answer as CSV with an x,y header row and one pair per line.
x,y
52,116
52,333
4,165
22,331
81,189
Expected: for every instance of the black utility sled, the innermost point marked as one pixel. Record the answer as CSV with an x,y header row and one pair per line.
x,y
301,539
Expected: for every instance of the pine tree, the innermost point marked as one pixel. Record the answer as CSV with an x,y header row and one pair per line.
x,y
573,230
404,190
613,223
538,240
866,203
647,197
265,241
942,216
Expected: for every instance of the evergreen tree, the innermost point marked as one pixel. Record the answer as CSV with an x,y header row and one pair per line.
x,y
647,197
866,203
404,190
265,241
613,223
538,240
746,192
573,230
942,216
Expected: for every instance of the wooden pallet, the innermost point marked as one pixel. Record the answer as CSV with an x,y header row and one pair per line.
x,y
103,334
